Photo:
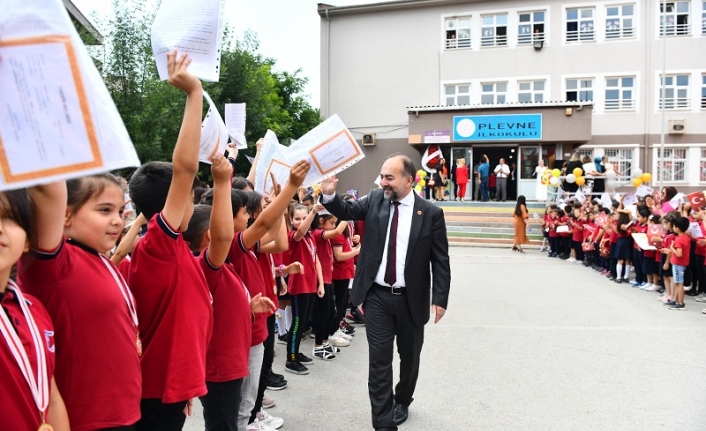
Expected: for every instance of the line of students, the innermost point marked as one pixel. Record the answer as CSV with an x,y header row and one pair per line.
x,y
95,346
601,238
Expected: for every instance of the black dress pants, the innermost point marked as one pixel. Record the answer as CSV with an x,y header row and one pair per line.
x,y
387,316
158,416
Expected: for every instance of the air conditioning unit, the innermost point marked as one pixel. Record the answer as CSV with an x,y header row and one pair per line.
x,y
369,139
677,127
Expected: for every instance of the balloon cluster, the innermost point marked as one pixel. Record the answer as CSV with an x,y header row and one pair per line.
x,y
552,177
639,177
419,179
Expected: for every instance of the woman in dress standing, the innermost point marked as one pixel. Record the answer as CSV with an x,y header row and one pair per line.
x,y
541,193
520,218
440,177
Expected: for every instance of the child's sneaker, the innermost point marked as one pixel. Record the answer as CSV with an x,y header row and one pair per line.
x,y
338,341
330,348
543,248
634,283
269,420
323,354
571,259
652,288
282,339
258,426
304,359
677,306
267,402
343,335
296,367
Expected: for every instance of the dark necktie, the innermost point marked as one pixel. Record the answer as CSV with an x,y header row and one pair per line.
x,y
391,270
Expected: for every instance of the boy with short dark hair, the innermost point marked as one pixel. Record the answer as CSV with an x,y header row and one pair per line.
x,y
172,298
679,258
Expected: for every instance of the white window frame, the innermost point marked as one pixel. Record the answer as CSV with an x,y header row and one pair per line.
x,y
703,91
580,88
495,93
457,43
585,26
623,159
674,102
457,94
490,33
703,17
615,28
669,20
702,166
620,104
534,35
585,152
669,153
532,91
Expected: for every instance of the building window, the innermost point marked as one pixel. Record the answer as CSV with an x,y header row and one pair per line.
x,y
620,21
703,17
674,18
458,94
676,92
702,171
458,32
530,91
620,93
579,24
621,158
671,166
531,27
493,93
583,152
579,90
494,30
703,91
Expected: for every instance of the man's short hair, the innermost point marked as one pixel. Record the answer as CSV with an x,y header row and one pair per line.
x,y
149,187
198,225
408,168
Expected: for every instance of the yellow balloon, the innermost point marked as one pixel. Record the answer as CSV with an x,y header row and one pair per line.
x,y
580,181
556,172
637,182
422,183
646,177
578,172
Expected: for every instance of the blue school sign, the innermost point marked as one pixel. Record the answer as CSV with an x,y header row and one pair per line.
x,y
520,127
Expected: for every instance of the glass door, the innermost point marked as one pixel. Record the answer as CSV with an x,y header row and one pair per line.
x,y
466,154
529,159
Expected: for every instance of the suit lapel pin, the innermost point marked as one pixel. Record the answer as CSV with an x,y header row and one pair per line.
x,y
419,213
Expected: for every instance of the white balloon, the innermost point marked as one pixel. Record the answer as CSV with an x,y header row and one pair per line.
x,y
610,174
610,184
553,181
571,178
636,172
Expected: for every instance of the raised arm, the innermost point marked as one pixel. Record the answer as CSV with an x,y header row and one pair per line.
x,y
333,233
128,242
306,224
185,159
280,243
340,255
273,213
50,211
221,224
253,168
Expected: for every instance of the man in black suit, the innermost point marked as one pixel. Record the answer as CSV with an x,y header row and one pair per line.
x,y
403,268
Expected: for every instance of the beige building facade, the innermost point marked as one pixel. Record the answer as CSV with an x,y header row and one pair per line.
x,y
470,76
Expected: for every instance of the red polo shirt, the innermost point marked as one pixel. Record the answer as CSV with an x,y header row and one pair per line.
x,y
245,263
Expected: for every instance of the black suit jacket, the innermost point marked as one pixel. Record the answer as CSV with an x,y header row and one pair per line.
x,y
427,272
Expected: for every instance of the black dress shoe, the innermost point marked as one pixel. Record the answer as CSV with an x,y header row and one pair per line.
x,y
400,414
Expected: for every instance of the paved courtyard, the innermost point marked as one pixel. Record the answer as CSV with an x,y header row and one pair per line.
x,y
528,343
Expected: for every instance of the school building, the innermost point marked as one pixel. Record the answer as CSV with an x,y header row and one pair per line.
x,y
521,80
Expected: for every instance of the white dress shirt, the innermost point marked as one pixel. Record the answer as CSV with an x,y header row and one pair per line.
x,y
502,171
404,226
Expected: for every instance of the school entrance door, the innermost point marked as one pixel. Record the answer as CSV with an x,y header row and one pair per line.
x,y
529,159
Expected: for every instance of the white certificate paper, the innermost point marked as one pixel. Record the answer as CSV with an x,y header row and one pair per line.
x,y
214,134
192,27
642,241
695,230
329,147
235,121
58,120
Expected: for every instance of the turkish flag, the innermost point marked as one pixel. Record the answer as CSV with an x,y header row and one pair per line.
x,y
654,230
696,200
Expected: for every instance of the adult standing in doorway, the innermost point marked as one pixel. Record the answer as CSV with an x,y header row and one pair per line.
x,y
452,176
483,174
440,179
461,178
476,181
512,183
502,172
395,284
541,191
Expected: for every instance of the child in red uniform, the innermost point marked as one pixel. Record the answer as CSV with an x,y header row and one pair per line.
x,y
324,230
27,348
344,253
210,234
243,256
679,258
173,300
88,300
576,223
665,263
554,246
302,287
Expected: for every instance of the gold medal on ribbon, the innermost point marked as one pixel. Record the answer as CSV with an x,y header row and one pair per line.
x,y
139,345
45,427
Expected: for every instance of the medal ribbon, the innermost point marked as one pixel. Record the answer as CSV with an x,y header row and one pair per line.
x,y
124,290
39,385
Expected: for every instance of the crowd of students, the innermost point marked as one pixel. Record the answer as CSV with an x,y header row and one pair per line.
x,y
113,328
672,262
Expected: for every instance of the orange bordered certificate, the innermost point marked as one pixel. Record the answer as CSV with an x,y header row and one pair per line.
x,y
335,153
46,126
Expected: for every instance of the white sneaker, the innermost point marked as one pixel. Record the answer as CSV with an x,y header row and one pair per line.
x,y
269,420
341,334
259,426
646,286
701,297
543,248
652,288
338,341
571,259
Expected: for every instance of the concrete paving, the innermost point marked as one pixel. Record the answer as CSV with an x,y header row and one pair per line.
x,y
528,343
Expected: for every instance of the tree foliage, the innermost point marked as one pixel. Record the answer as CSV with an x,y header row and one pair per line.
x,y
152,110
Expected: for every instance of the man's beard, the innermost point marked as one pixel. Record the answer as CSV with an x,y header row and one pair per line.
x,y
391,195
